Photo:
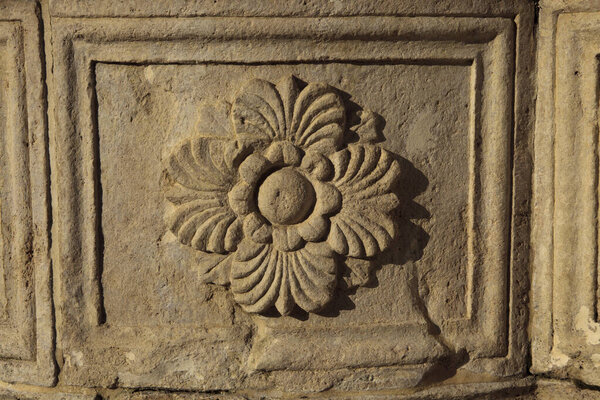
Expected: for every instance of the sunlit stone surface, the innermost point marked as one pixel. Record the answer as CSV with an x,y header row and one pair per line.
x,y
328,199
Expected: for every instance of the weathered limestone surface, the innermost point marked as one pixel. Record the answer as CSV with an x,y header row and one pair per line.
x,y
323,199
43,395
565,330
283,171
26,319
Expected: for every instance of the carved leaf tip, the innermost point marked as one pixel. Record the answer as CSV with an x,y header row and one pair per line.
x,y
369,128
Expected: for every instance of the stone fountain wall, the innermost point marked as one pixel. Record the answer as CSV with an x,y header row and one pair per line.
x,y
321,199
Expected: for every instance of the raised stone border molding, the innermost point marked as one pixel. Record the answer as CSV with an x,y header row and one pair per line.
x,y
565,328
328,199
488,332
26,314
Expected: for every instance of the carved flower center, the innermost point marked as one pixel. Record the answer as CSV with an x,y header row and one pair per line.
x,y
286,197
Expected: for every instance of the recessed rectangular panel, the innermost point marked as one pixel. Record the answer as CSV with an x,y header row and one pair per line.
x,y
131,267
144,111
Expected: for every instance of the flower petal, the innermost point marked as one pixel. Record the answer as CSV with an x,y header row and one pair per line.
x,y
314,117
253,167
204,228
234,235
360,237
257,111
286,238
258,291
198,164
214,241
283,153
315,228
317,165
196,182
240,198
313,276
247,259
361,232
365,176
263,277
329,199
319,118
285,301
256,228
365,171
288,91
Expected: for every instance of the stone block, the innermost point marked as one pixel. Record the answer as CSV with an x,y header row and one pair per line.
x,y
26,319
565,329
245,203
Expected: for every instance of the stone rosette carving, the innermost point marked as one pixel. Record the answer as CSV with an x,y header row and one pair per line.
x,y
278,200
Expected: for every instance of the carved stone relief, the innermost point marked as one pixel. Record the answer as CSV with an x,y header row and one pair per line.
x,y
274,195
353,201
252,199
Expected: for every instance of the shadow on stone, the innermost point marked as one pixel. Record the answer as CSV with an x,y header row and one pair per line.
x,y
411,239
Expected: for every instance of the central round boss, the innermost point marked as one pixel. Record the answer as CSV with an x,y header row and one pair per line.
x,y
286,197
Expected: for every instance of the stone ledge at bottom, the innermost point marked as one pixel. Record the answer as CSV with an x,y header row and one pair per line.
x,y
521,389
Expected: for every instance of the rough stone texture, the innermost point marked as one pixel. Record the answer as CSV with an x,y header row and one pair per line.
x,y
550,390
171,140
23,392
26,326
513,390
565,330
326,199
